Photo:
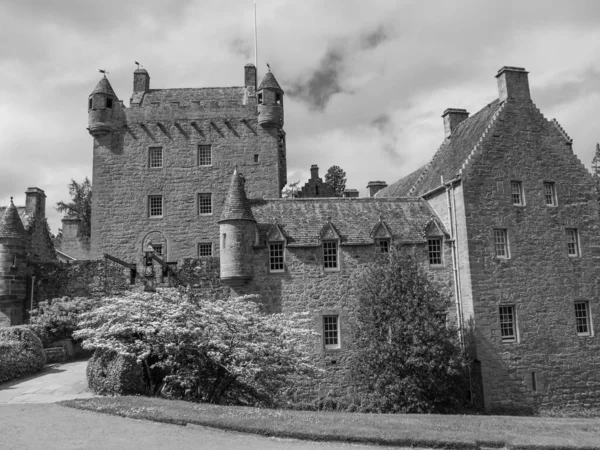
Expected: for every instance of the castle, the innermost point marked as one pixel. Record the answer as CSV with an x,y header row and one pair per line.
x,y
504,216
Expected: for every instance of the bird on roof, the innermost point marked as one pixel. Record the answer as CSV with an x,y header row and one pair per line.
x,y
268,67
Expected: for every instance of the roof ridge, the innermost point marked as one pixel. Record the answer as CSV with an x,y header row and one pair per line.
x,y
561,130
413,189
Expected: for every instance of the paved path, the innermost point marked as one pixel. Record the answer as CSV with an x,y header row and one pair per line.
x,y
55,383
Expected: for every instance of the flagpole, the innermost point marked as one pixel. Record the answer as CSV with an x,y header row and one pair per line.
x,y
255,42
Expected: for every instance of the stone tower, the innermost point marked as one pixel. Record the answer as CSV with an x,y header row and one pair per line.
x,y
12,267
238,233
103,109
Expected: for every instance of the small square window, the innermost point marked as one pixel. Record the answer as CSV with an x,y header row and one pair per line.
x,y
155,206
383,245
582,318
501,244
572,242
330,255
331,332
205,249
155,157
276,257
516,188
109,103
434,249
256,158
205,204
205,155
550,194
508,329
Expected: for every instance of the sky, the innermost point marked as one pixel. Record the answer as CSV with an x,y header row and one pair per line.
x,y
365,82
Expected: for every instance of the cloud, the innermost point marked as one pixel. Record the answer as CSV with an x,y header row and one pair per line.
x,y
374,38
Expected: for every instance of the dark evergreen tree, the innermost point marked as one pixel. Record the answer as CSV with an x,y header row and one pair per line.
x,y
596,169
80,205
335,178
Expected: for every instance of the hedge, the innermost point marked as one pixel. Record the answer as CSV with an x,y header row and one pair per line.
x,y
109,373
21,352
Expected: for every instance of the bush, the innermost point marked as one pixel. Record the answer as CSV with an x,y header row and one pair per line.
x,y
58,318
21,352
109,373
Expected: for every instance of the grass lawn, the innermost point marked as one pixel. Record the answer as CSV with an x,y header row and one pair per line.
x,y
439,431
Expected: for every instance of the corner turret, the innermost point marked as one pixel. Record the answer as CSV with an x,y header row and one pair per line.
x,y
270,102
13,240
237,227
102,106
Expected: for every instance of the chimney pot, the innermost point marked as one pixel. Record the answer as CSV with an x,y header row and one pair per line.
x,y
452,117
314,172
375,186
513,84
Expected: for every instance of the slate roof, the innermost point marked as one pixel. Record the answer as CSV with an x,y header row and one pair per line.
x,y
302,219
449,159
25,218
11,225
269,81
236,205
165,96
104,87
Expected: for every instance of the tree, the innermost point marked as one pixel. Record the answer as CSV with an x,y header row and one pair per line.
x,y
202,349
335,178
80,205
405,359
596,167
291,190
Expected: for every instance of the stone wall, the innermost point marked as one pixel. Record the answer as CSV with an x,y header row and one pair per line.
x,y
539,279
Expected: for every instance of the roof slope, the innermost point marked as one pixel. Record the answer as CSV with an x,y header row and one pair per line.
x,y
104,87
165,96
269,81
450,157
236,205
11,225
302,219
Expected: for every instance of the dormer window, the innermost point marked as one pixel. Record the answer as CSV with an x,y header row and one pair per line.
x,y
383,245
330,255
276,257
259,98
109,103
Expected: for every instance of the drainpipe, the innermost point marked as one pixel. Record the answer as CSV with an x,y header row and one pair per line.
x,y
453,235
32,287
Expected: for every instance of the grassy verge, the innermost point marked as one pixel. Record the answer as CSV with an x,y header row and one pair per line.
x,y
438,431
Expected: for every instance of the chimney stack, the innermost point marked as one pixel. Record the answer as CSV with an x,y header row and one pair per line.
x,y
35,202
250,75
375,186
452,117
350,193
314,172
513,84
141,80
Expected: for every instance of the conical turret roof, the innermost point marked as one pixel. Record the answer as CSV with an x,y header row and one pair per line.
x,y
236,205
10,223
104,87
269,81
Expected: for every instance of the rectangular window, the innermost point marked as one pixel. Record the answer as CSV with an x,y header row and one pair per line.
x,y
383,245
276,257
508,324
155,206
572,242
205,249
501,244
550,194
158,249
331,332
205,155
330,255
434,249
205,203
109,103
516,188
155,157
582,318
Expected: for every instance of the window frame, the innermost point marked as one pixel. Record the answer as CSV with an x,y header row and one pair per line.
x,y
587,318
156,252
521,192
150,159
441,251
336,246
210,244
514,337
506,245
552,186
162,206
274,259
337,345
200,204
573,232
383,245
201,157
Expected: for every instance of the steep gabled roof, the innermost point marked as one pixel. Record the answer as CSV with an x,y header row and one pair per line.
x,y
236,205
10,223
269,81
302,219
449,159
104,87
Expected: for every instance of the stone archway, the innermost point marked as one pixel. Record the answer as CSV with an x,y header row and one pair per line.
x,y
160,243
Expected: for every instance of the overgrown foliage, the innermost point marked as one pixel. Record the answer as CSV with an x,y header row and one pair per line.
x,y
596,172
202,349
335,178
58,318
80,205
21,352
405,358
109,373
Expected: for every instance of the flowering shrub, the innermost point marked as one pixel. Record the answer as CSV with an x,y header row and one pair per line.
x,y
21,352
202,349
58,318
109,373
